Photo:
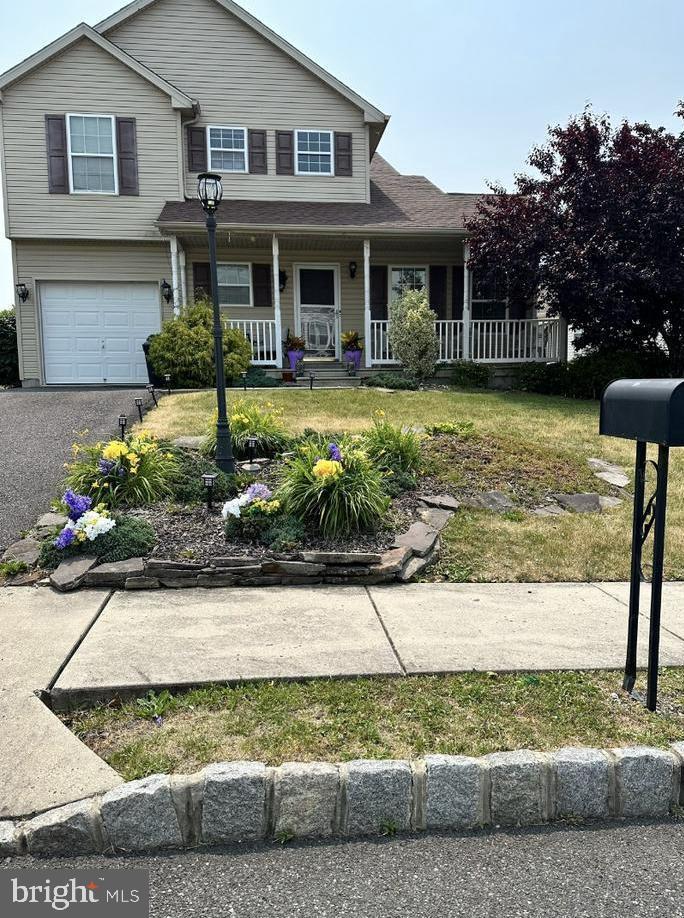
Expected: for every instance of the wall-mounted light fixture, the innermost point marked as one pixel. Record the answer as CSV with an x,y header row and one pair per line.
x,y
352,269
282,280
22,292
166,290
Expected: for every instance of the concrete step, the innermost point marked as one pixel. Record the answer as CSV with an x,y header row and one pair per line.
x,y
329,382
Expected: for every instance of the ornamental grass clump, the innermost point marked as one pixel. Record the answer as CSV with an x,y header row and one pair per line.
x,y
339,492
249,419
390,447
135,470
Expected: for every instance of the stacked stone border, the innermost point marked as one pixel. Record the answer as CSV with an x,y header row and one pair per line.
x,y
247,801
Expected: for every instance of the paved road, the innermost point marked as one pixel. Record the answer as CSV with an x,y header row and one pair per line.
x,y
37,429
605,871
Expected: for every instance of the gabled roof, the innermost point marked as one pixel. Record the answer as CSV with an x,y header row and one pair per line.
x,y
178,98
371,113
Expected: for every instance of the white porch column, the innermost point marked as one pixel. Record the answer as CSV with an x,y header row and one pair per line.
x,y
467,292
367,304
276,302
173,243
183,276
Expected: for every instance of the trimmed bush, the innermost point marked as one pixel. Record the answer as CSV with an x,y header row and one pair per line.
x,y
468,375
248,419
391,381
9,354
258,378
412,334
132,537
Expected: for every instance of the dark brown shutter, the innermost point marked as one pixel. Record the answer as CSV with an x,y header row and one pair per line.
x,y
197,149
457,292
438,292
127,154
378,291
258,163
343,153
285,153
261,285
55,134
201,279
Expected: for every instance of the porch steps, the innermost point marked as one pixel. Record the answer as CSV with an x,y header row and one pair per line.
x,y
329,373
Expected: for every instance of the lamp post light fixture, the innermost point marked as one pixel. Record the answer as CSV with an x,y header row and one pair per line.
x,y
139,406
150,389
352,269
209,480
311,380
123,420
210,193
166,290
22,292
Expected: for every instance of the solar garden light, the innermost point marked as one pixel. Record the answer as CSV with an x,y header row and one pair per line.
x,y
123,420
150,389
311,380
244,380
167,380
139,406
252,465
209,480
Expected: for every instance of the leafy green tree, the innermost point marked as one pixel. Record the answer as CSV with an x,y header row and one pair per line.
x,y
412,334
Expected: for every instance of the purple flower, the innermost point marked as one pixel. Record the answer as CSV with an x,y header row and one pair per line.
x,y
65,538
105,465
257,492
158,720
77,504
334,452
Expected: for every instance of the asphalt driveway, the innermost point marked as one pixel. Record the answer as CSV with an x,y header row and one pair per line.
x,y
37,428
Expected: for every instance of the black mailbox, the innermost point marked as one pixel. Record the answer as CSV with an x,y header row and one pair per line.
x,y
648,411
651,410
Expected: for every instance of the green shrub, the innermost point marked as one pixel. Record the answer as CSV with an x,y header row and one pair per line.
x,y
258,378
468,375
463,429
10,568
248,419
186,483
9,353
286,533
132,537
412,334
337,496
184,348
386,380
136,470
391,448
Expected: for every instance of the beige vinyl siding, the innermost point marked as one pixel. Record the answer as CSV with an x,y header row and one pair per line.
x,y
78,261
242,80
85,79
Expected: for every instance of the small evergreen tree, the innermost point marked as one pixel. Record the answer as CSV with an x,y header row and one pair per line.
x,y
412,334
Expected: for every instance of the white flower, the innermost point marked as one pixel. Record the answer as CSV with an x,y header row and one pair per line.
x,y
232,507
93,524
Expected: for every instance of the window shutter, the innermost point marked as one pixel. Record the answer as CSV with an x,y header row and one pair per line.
x,y
285,153
197,149
258,164
343,154
261,285
127,154
378,291
201,279
438,293
55,134
457,292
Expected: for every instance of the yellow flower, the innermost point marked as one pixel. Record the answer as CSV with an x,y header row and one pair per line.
x,y
106,484
327,468
114,450
379,413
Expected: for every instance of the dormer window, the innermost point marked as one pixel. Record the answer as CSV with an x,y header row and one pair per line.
x,y
314,153
91,146
227,148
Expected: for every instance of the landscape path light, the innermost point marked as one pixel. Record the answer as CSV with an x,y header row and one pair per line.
x,y
209,481
123,420
139,406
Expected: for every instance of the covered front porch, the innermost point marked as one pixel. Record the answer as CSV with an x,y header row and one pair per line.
x,y
317,285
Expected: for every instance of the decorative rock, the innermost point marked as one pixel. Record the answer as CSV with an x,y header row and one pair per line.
x,y
116,573
73,829
435,518
518,787
306,799
10,838
142,583
340,557
454,792
157,565
217,580
609,472
188,442
178,583
26,550
419,537
48,522
392,562
579,503
609,503
441,501
234,803
265,580
496,501
549,510
140,815
378,796
246,570
417,565
28,578
644,779
335,570
71,572
582,783
295,568
237,561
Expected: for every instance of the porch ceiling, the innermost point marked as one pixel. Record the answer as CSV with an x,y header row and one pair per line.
x,y
417,245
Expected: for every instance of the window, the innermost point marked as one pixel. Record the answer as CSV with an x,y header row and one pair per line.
x,y
235,285
314,152
403,279
488,297
227,149
92,151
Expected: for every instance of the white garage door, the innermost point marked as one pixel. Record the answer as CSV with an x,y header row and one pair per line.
x,y
93,333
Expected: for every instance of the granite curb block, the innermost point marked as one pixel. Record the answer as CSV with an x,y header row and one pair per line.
x,y
247,801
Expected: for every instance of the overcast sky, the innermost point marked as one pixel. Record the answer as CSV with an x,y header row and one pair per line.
x,y
471,85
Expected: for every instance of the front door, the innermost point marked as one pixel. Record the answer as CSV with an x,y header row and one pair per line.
x,y
318,310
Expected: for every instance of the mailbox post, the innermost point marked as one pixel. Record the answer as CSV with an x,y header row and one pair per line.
x,y
648,411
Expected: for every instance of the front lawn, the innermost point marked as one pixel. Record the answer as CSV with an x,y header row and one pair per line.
x,y
470,714
524,445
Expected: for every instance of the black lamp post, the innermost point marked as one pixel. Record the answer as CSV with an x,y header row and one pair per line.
x,y
210,192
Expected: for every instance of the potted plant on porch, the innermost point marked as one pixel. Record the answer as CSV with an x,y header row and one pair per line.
x,y
352,347
294,348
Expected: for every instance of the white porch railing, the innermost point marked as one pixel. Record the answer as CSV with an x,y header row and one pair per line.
x,y
261,333
491,341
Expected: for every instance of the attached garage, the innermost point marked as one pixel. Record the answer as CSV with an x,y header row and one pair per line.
x,y
93,332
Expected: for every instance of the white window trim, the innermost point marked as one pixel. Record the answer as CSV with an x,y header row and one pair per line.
x,y
299,131
240,264
114,154
403,268
245,150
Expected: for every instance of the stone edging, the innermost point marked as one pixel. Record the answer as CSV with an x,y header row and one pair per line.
x,y
248,801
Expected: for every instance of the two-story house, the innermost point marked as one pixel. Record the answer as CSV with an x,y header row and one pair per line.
x,y
104,132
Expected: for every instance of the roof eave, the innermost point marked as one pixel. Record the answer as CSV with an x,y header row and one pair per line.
x,y
298,228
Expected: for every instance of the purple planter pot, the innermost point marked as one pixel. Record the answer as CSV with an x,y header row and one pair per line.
x,y
353,357
294,357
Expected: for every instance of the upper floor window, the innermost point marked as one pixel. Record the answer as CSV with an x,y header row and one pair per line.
x,y
235,284
403,279
227,149
314,152
91,146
